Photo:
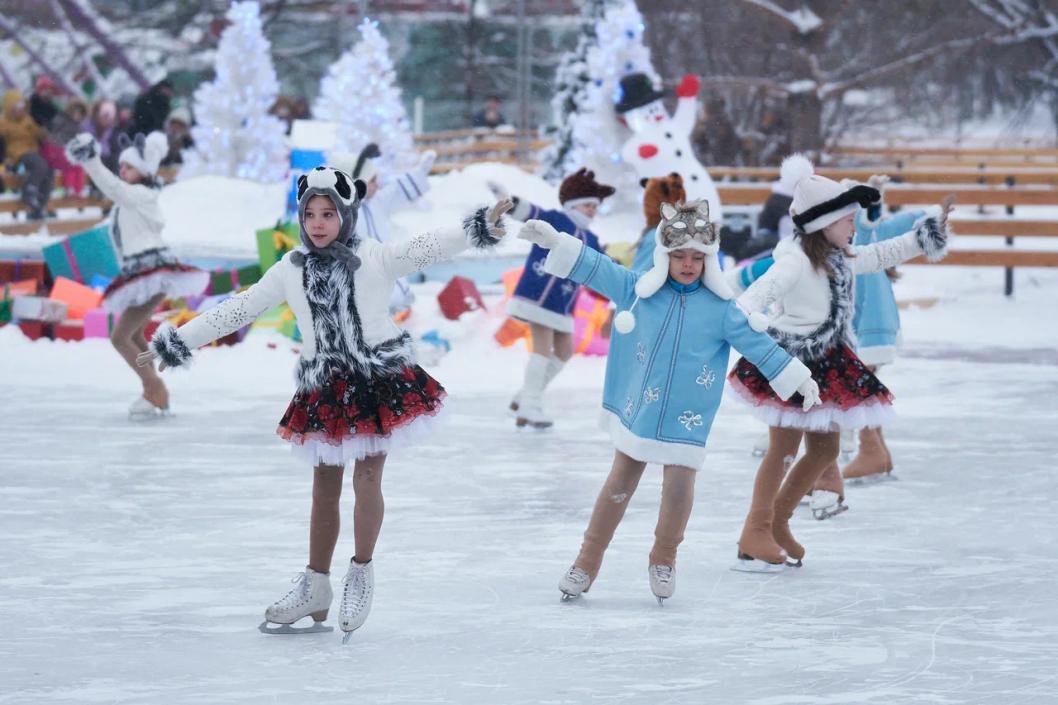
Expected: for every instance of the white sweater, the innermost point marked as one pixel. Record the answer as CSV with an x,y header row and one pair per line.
x,y
136,222
374,343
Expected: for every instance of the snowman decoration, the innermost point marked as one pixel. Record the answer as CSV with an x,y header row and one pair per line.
x,y
661,144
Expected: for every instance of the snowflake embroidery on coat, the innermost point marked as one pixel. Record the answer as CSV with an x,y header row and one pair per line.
x,y
689,419
538,267
651,395
423,250
568,288
641,353
629,407
706,378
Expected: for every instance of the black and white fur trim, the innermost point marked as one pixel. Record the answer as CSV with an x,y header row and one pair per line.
x,y
837,328
863,195
170,347
477,230
932,239
338,331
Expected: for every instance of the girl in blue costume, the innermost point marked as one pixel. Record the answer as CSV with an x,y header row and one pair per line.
x,y
664,375
545,301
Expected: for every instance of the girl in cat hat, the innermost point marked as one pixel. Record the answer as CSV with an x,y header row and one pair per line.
x,y
810,291
664,375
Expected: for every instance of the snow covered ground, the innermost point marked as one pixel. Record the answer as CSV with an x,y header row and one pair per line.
x,y
138,559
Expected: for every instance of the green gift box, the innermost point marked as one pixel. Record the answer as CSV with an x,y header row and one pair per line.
x,y
273,243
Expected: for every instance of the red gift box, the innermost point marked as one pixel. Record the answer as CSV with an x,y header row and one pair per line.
x,y
22,269
69,330
35,330
459,296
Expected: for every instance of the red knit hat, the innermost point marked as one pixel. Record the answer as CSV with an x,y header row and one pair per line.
x,y
581,187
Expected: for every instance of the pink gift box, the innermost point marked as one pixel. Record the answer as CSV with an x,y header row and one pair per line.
x,y
98,323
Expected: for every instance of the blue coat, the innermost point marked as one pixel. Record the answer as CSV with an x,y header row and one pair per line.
x,y
543,298
665,379
877,318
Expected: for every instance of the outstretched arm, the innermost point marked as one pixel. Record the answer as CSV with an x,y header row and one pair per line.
x,y
569,258
687,105
787,375
929,237
84,150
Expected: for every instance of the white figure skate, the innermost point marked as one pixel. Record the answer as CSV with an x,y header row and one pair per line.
x,y
311,596
357,591
748,564
531,415
662,582
143,410
574,583
849,445
826,504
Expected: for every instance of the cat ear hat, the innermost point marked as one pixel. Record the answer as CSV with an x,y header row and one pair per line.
x,y
699,235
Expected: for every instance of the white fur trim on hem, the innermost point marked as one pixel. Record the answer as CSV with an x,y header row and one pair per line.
x,y
141,289
786,382
531,313
649,450
359,447
823,418
876,354
563,257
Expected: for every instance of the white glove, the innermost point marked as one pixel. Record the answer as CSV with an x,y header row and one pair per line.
x,y
82,148
810,391
427,159
878,181
498,189
540,233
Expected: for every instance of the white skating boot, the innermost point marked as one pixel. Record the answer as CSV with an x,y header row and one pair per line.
x,y
826,504
662,582
848,445
760,445
574,583
357,591
516,402
143,410
530,413
311,596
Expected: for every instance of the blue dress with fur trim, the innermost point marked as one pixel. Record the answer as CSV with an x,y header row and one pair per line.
x,y
541,297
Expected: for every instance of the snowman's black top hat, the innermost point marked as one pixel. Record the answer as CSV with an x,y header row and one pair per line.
x,y
636,90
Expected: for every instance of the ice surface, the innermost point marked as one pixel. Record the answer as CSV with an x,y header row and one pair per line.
x,y
137,560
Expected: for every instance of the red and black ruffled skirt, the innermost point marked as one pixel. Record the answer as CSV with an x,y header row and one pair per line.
x,y
353,416
851,396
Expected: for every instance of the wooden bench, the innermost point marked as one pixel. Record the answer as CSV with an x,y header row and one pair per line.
x,y
956,154
961,175
899,195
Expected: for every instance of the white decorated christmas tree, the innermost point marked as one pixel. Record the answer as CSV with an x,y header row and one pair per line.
x,y
361,95
235,135
585,127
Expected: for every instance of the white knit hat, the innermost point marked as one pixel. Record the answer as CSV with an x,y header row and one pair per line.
x,y
144,153
682,227
819,201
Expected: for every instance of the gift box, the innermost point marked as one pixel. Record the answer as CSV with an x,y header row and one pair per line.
x,y
79,298
25,287
273,243
511,332
458,297
98,323
69,330
224,281
20,270
35,330
38,308
82,256
510,280
100,282
280,319
5,311
590,316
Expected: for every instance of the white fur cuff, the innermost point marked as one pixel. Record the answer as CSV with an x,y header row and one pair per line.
x,y
563,256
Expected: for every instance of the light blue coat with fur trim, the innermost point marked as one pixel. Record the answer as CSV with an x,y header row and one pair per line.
x,y
665,379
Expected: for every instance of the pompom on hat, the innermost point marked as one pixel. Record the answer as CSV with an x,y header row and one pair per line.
x,y
819,201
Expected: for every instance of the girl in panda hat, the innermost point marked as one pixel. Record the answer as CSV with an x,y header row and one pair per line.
x,y
544,301
360,393
665,374
149,271
809,291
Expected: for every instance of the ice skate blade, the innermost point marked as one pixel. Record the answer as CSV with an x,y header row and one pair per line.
x,y
748,564
661,600
147,417
536,426
316,628
758,453
569,596
346,637
829,512
876,478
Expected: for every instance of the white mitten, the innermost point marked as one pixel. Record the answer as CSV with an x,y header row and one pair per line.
x,y
810,391
540,233
427,159
498,190
82,148
878,181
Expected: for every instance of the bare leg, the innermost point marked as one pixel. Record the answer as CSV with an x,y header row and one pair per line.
x,y
609,509
543,339
821,450
127,338
369,508
677,498
325,522
757,540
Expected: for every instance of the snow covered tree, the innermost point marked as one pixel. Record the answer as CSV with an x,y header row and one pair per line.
x,y
585,127
235,135
360,93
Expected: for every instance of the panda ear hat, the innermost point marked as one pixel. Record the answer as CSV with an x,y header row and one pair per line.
x,y
345,192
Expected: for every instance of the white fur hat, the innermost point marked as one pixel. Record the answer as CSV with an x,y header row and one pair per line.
x,y
698,235
145,154
819,201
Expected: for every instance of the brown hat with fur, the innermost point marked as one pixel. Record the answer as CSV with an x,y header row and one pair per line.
x,y
661,189
581,187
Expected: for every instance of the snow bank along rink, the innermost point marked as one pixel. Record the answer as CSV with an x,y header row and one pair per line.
x,y
138,559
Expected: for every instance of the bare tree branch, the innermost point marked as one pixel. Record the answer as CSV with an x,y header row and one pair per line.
x,y
83,19
802,20
13,32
